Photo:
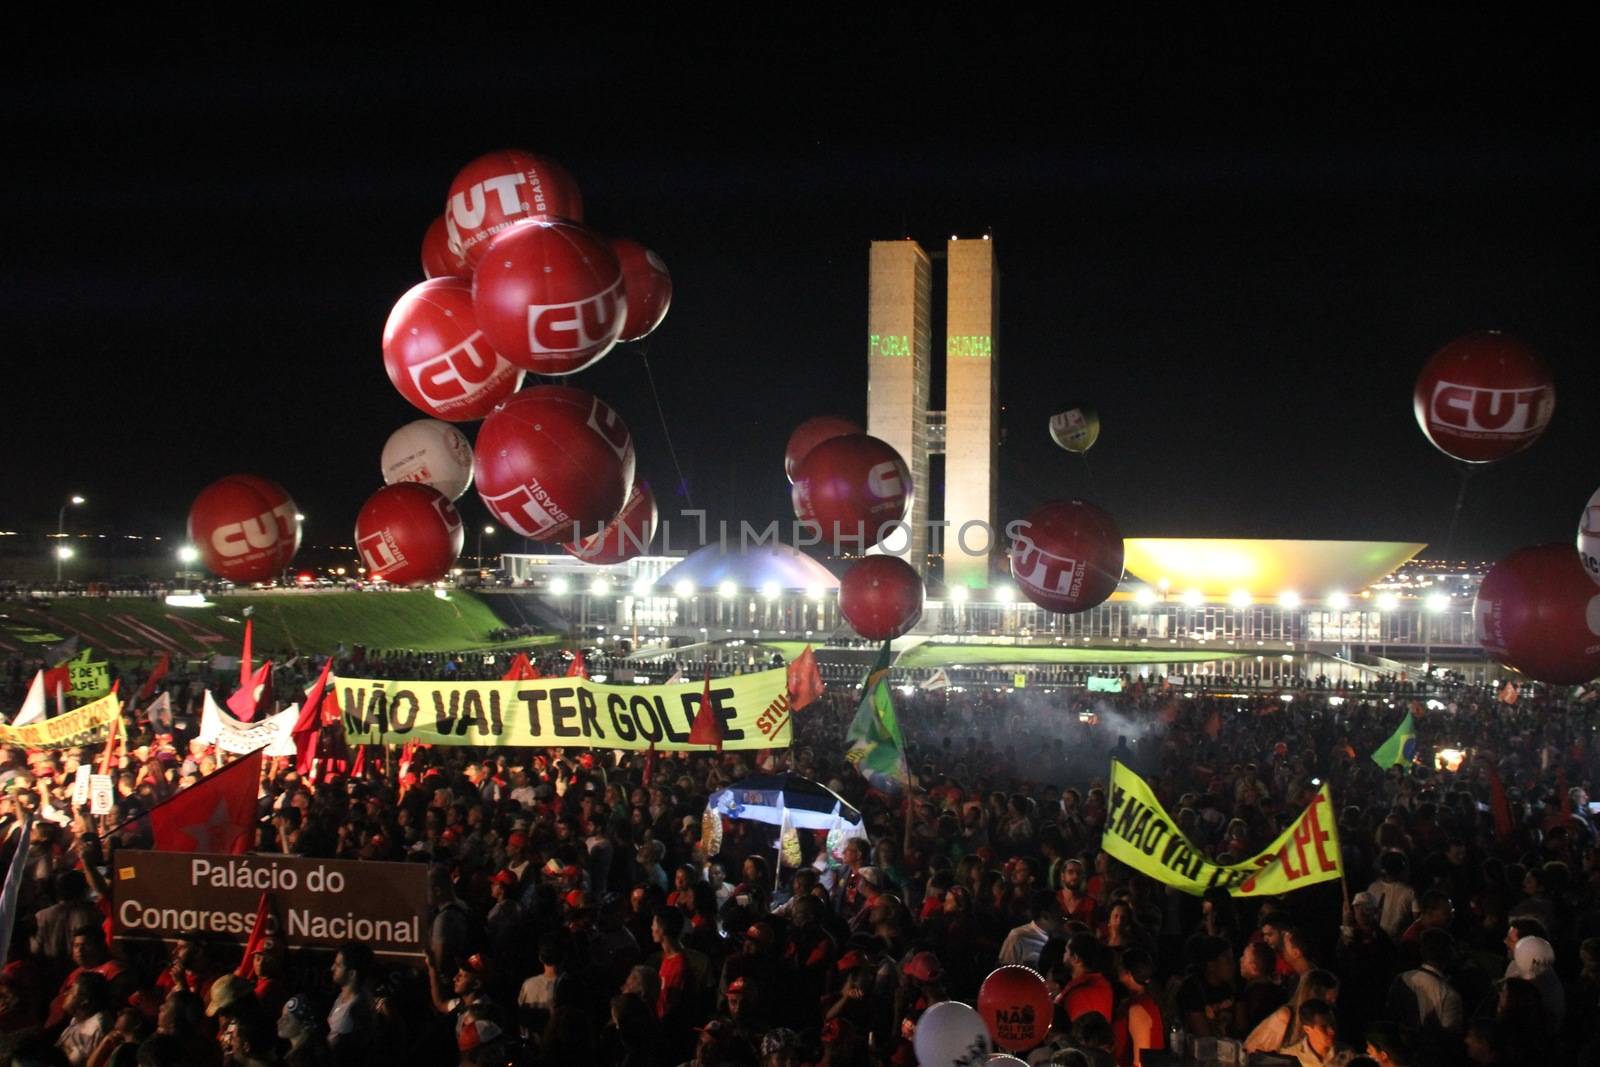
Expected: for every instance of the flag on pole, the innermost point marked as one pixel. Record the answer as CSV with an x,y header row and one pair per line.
x,y
309,726
1509,692
216,815
939,679
521,669
650,763
789,854
579,668
159,713
59,654
877,748
253,694
707,728
247,663
33,703
805,681
258,937
1401,748
676,679
158,672
16,873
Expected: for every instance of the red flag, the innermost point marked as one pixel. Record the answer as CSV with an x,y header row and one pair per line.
x,y
258,936
309,725
805,681
579,669
217,815
650,763
521,669
246,661
1499,806
57,680
1509,692
707,728
253,695
158,672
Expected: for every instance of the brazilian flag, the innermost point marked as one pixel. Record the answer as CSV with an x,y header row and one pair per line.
x,y
1401,748
877,748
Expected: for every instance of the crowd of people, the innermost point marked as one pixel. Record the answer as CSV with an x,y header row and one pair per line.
x,y
578,917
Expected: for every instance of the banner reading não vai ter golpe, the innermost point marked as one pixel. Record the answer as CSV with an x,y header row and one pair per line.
x,y
565,712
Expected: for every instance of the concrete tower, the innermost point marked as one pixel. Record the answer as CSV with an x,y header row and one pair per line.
x,y
972,411
899,355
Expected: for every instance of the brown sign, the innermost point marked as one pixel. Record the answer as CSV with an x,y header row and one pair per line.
x,y
314,903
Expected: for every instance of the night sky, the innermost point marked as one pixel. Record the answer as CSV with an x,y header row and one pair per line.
x,y
1239,245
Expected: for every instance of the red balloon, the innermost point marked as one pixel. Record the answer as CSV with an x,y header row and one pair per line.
x,y
1483,397
438,259
245,528
549,296
880,597
552,460
438,358
408,533
1067,557
494,192
1538,612
647,285
625,536
856,488
1015,1005
809,435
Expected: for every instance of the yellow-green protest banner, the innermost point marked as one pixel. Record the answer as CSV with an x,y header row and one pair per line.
x,y
564,712
1140,833
80,726
88,680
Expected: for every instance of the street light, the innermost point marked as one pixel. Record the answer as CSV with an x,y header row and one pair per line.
x,y
188,554
485,530
61,530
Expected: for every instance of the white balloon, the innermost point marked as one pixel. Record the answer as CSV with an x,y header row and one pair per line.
x,y
951,1034
1589,537
431,452
1005,1058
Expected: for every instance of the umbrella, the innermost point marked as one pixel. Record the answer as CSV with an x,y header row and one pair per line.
x,y
768,798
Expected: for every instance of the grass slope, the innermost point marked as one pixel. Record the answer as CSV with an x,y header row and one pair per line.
x,y
304,622
989,655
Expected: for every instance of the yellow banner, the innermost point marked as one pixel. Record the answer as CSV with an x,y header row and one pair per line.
x,y
80,726
1141,834
564,712
88,679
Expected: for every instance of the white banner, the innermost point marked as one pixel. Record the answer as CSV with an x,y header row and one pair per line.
x,y
275,732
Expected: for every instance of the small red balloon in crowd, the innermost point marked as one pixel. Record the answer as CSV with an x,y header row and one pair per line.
x,y
1483,397
809,435
439,260
1067,557
1589,537
1015,1004
1537,613
245,528
498,190
438,358
647,286
549,296
408,533
881,597
856,488
625,536
553,460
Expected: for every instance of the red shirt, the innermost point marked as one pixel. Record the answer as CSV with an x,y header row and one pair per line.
x,y
1122,1041
673,980
1092,992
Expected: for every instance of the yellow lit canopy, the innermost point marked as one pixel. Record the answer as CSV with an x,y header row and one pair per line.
x,y
1222,568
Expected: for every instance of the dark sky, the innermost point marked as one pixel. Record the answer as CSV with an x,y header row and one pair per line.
x,y
1239,244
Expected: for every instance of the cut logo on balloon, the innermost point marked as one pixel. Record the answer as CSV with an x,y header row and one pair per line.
x,y
605,421
469,207
883,481
524,503
559,329
262,532
1040,569
457,375
1473,412
380,552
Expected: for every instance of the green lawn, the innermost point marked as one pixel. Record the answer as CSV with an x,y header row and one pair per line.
x,y
305,622
990,655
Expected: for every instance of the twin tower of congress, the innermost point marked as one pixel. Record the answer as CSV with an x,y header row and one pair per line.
x,y
900,339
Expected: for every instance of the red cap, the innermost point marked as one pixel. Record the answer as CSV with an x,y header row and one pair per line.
x,y
924,967
516,839
505,878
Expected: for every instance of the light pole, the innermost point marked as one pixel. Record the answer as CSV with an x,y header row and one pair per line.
x,y
484,530
187,555
62,551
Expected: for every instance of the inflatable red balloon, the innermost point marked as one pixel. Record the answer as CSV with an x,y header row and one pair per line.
x,y
1483,397
496,191
245,528
439,260
1589,537
408,533
438,358
625,536
549,297
552,460
809,435
1014,1003
646,284
880,597
1538,613
856,488
1067,557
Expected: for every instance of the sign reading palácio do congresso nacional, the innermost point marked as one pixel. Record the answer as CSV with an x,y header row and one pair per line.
x,y
313,903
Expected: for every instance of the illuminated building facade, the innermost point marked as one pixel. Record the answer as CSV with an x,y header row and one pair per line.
x,y
899,356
